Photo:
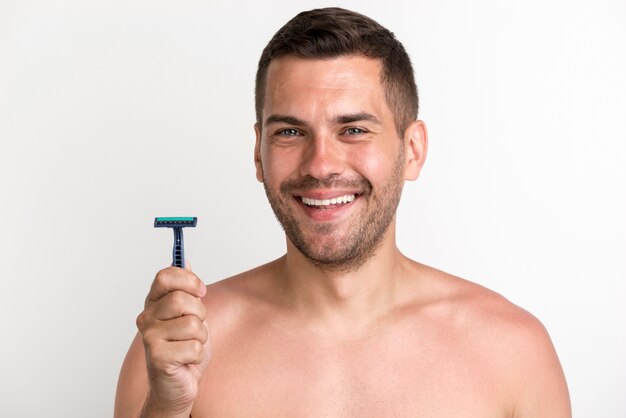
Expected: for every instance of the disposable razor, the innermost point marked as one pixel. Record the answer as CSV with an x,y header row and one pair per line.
x,y
177,224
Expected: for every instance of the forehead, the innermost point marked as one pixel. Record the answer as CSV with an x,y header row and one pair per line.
x,y
340,84
334,71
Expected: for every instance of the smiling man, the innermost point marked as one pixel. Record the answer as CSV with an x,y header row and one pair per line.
x,y
330,159
343,325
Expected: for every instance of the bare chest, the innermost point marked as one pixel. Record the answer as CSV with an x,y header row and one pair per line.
x,y
398,374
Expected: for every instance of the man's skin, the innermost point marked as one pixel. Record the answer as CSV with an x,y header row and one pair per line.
x,y
387,337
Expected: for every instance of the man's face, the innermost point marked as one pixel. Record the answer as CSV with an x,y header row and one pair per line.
x,y
331,161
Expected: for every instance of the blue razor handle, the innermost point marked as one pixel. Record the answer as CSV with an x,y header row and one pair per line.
x,y
178,252
177,224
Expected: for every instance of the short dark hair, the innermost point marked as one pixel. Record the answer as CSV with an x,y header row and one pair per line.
x,y
333,32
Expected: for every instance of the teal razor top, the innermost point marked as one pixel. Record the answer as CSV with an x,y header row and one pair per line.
x,y
177,224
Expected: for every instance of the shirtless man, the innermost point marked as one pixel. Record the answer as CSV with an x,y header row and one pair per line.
x,y
342,325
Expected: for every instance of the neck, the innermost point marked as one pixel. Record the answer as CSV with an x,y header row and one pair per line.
x,y
345,302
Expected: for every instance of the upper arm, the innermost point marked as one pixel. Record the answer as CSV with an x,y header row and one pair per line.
x,y
132,385
539,383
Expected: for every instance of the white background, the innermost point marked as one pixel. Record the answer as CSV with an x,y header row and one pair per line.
x,y
114,112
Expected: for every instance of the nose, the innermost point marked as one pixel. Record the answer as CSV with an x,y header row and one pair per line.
x,y
323,157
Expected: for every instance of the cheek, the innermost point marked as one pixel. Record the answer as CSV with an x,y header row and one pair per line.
x,y
372,164
279,164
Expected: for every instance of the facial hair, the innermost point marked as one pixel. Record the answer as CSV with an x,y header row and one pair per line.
x,y
325,249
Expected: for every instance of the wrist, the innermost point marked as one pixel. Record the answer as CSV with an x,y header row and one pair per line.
x,y
153,409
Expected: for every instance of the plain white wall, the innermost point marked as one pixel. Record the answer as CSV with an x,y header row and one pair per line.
x,y
114,112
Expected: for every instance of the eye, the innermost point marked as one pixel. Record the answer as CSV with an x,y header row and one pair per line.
x,y
355,131
288,132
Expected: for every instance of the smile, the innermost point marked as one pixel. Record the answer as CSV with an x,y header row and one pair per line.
x,y
327,202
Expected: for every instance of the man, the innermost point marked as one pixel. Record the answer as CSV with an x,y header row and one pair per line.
x,y
343,325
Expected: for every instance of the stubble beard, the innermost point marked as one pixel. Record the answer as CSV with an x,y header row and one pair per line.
x,y
360,239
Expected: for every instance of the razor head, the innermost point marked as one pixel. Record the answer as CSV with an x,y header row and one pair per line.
x,y
175,222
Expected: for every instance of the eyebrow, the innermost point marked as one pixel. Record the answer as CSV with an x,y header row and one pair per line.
x,y
289,120
357,117
341,119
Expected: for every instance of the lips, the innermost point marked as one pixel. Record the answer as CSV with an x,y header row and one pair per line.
x,y
327,208
328,199
339,200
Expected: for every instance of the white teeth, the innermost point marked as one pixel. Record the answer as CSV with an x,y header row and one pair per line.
x,y
326,202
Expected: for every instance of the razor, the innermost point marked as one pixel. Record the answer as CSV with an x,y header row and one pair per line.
x,y
177,224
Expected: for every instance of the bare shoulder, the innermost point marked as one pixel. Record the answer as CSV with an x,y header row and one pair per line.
x,y
231,300
244,286
480,309
514,343
468,305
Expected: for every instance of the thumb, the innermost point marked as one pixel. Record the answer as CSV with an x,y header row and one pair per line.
x,y
202,290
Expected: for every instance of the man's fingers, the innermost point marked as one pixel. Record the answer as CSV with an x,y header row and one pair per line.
x,y
180,329
170,307
175,354
175,278
176,304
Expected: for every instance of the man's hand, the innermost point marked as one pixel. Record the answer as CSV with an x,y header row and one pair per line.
x,y
176,340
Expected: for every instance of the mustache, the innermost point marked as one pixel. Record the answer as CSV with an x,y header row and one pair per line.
x,y
334,181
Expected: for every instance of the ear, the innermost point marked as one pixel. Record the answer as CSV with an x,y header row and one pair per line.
x,y
415,148
257,153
